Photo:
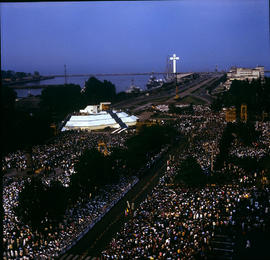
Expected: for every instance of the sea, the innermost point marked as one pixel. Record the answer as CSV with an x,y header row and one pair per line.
x,y
122,83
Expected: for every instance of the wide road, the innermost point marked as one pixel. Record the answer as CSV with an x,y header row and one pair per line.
x,y
189,91
164,96
99,237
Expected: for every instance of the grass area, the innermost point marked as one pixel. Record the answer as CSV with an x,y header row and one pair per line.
x,y
191,99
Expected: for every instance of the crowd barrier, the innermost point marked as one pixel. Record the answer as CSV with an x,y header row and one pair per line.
x,y
90,226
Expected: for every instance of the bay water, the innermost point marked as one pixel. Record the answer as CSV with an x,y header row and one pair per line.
x,y
122,83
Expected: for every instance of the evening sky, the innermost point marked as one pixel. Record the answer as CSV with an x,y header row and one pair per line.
x,y
111,37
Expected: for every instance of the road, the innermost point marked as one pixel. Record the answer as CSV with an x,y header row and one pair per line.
x,y
95,241
99,237
190,90
162,95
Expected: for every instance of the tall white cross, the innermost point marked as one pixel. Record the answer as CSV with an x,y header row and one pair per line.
x,y
174,59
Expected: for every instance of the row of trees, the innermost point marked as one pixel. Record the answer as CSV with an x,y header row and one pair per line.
x,y
255,94
245,133
22,128
12,75
191,174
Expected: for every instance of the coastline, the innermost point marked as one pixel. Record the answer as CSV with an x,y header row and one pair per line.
x,y
27,81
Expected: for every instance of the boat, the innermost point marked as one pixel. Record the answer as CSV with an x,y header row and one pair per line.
x,y
133,88
153,82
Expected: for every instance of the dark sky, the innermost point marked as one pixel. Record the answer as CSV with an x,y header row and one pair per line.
x,y
105,37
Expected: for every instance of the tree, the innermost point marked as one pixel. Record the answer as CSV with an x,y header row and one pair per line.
x,y
39,203
92,171
118,162
97,91
147,143
190,173
8,97
255,94
20,75
36,74
55,200
59,100
30,208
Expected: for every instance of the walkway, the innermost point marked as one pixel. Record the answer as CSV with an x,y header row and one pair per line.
x,y
117,119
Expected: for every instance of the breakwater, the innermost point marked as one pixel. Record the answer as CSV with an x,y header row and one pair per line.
x,y
24,81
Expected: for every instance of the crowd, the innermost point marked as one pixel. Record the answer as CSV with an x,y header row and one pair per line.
x,y
176,222
179,223
62,151
258,149
172,223
19,240
204,129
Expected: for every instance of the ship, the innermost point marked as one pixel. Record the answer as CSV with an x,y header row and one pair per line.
x,y
153,82
133,88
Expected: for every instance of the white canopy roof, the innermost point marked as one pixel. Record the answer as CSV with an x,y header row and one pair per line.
x,y
92,117
90,123
101,119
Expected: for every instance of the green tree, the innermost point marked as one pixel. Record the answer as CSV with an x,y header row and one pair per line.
x,y
36,74
30,208
55,201
255,94
20,75
92,171
147,143
97,91
190,173
59,100
8,130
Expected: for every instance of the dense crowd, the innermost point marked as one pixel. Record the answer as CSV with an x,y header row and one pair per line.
x,y
204,129
172,223
62,151
180,222
19,240
259,148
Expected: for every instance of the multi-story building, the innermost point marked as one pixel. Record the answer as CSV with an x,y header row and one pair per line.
x,y
244,74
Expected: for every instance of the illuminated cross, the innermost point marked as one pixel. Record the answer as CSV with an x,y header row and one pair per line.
x,y
174,59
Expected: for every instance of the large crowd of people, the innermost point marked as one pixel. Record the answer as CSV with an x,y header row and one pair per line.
x,y
177,222
60,155
204,130
61,151
20,241
258,149
173,222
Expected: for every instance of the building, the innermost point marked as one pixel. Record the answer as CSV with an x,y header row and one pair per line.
x,y
94,109
104,106
244,74
90,110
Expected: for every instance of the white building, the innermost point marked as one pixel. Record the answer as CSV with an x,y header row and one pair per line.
x,y
90,110
244,74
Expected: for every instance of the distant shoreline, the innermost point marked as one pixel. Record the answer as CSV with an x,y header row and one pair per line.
x,y
11,84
